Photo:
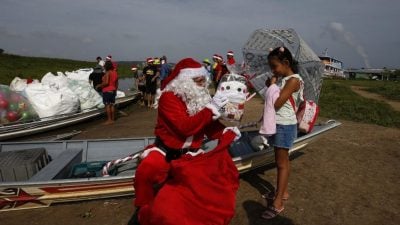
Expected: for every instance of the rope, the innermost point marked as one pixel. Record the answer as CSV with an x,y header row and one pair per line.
x,y
108,165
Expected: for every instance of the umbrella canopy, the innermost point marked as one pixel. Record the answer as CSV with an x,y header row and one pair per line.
x,y
256,50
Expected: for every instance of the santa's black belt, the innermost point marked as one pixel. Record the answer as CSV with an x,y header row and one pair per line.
x,y
172,153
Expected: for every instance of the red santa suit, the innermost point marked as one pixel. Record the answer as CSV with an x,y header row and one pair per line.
x,y
178,130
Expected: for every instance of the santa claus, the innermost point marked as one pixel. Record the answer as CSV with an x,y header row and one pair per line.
x,y
186,115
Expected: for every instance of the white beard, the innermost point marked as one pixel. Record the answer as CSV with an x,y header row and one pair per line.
x,y
195,97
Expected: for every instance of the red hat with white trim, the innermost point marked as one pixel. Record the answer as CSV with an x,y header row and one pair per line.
x,y
215,56
109,57
230,53
149,60
187,67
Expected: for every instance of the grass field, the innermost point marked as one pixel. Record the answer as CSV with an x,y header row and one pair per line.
x,y
35,67
338,101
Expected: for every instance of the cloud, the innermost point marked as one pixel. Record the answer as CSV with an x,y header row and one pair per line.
x,y
339,33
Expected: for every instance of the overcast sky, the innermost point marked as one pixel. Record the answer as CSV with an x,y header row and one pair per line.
x,y
361,33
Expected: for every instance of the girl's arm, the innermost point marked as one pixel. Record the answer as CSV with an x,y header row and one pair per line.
x,y
292,85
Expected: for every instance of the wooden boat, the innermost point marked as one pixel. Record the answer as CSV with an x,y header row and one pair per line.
x,y
14,130
68,176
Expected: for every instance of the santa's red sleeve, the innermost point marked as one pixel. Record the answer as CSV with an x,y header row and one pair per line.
x,y
173,111
214,130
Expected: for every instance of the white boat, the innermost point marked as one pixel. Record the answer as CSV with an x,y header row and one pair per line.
x,y
333,68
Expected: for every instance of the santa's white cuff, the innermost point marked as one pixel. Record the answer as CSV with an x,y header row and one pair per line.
x,y
234,130
214,110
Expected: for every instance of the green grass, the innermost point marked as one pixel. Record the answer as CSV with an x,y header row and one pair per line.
x,y
35,67
388,89
338,101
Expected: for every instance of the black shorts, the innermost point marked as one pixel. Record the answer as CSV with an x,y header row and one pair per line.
x,y
109,97
151,88
142,88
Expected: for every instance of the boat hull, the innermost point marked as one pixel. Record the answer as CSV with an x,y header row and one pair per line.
x,y
25,195
29,128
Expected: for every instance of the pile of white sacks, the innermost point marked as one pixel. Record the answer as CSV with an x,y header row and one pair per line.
x,y
64,93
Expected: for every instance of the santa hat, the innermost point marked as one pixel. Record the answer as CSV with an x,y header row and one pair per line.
x,y
215,56
134,68
219,57
230,53
187,67
108,57
149,60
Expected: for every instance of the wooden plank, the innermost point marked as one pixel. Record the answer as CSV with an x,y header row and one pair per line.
x,y
59,167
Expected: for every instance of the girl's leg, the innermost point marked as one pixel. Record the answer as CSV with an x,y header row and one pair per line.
x,y
282,165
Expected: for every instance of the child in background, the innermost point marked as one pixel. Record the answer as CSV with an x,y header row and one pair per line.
x,y
283,66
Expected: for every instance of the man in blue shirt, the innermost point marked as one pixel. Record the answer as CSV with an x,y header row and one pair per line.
x,y
164,70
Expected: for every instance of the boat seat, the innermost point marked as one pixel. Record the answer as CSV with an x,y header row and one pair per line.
x,y
60,166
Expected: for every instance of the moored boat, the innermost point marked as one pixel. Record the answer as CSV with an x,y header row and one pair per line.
x,y
74,173
14,130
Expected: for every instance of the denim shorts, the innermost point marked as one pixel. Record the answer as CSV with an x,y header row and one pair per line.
x,y
284,137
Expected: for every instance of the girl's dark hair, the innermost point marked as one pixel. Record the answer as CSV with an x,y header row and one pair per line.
x,y
108,66
282,53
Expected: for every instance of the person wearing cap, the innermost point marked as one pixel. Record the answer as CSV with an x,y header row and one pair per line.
x,y
186,114
230,59
140,83
218,71
109,88
151,74
164,70
115,65
207,66
230,62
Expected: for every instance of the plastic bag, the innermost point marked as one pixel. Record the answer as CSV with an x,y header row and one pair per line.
x,y
14,107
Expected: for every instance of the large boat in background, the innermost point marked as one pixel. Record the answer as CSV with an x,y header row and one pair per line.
x,y
333,67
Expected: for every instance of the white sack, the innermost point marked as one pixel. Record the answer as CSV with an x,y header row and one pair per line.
x,y
49,101
88,97
18,84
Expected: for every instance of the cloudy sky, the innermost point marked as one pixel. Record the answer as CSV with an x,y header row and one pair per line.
x,y
361,33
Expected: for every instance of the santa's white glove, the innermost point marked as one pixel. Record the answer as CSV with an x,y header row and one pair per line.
x,y
234,130
217,102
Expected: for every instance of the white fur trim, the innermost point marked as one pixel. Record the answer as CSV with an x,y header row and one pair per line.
x,y
188,142
147,152
214,110
200,151
193,72
231,54
234,130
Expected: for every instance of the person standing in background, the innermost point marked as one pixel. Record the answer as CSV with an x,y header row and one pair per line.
x,y
164,70
100,61
151,74
95,78
109,87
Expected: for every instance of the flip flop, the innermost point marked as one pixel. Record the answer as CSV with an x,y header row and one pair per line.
x,y
270,196
271,212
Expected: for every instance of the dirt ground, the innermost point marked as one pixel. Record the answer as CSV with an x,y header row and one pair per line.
x,y
348,176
